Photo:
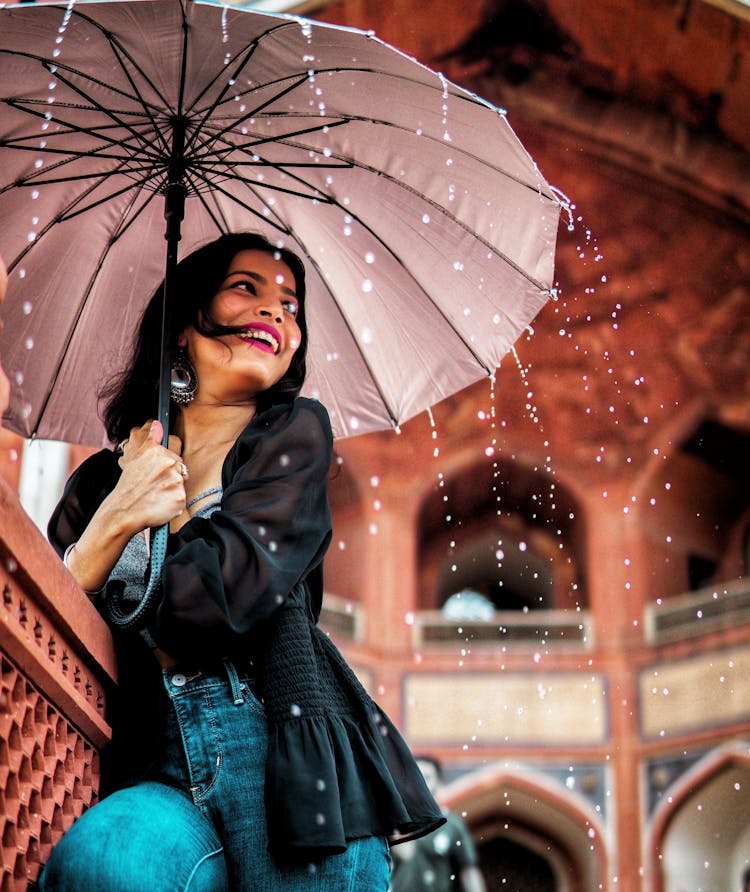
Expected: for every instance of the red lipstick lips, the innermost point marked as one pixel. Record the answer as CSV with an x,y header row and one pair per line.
x,y
263,336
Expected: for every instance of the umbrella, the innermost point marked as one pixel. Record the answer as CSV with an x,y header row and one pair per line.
x,y
427,230
426,227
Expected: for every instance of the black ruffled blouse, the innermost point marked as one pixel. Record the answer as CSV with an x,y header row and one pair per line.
x,y
246,583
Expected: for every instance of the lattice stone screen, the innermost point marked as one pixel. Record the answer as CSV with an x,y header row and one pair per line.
x,y
56,663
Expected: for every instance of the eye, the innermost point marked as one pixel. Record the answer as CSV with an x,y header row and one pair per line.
x,y
291,306
246,284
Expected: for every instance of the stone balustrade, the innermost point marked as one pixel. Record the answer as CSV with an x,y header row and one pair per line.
x,y
56,667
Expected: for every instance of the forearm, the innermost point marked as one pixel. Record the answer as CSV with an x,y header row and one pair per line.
x,y
91,559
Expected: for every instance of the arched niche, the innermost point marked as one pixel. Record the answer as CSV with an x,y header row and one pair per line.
x,y
524,811
511,532
695,505
700,832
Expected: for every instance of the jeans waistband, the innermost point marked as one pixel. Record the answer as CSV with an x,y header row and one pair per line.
x,y
183,679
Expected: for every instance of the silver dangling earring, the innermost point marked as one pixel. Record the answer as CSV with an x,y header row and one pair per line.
x,y
183,381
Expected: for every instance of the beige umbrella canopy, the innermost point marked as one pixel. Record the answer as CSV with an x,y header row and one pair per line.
x,y
427,230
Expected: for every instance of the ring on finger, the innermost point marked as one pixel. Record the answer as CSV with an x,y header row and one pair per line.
x,y
182,468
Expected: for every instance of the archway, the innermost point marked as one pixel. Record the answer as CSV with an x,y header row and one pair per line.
x,y
700,832
531,831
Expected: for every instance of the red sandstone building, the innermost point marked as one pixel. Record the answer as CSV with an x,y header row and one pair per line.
x,y
592,707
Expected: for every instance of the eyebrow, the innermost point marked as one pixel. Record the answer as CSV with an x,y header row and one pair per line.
x,y
261,279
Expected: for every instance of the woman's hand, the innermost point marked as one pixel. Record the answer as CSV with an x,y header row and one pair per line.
x,y
151,489
149,493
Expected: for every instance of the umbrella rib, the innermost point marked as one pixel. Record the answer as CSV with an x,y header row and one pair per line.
x,y
108,113
211,182
386,402
464,97
117,49
534,187
127,218
256,110
114,42
247,52
419,286
400,184
73,326
66,214
308,254
107,198
260,141
223,224
95,132
218,188
57,68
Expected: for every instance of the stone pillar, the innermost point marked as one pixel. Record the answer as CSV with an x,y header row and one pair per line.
x,y
617,598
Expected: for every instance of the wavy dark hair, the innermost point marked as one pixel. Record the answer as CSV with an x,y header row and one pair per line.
x,y
131,397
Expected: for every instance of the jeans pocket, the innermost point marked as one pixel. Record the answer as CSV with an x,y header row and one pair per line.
x,y
251,696
200,729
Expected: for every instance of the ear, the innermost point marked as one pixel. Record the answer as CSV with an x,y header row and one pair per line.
x,y
182,340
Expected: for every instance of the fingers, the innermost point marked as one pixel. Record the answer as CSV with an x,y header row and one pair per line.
x,y
156,432
175,444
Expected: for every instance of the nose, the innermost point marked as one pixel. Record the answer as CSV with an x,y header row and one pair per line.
x,y
271,309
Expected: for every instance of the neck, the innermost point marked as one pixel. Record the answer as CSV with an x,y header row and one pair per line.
x,y
203,425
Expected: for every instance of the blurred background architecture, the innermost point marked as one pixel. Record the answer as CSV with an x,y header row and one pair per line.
x,y
545,581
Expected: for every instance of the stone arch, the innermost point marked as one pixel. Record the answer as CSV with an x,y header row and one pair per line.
x,y
506,523
699,828
539,814
693,499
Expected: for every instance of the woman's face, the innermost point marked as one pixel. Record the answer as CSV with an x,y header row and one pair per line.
x,y
259,294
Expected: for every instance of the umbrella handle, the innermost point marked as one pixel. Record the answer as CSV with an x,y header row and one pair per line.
x,y
139,617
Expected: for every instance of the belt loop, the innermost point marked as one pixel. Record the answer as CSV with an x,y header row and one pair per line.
x,y
234,682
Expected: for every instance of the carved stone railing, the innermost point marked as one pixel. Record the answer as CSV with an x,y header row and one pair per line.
x,y
690,615
56,666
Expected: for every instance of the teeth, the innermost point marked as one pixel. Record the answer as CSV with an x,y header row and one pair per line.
x,y
257,334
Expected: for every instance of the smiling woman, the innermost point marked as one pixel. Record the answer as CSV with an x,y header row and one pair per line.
x,y
240,736
257,308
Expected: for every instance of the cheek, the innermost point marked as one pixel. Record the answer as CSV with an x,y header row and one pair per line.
x,y
295,339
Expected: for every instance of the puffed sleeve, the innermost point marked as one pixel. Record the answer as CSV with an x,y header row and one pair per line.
x,y
85,490
227,574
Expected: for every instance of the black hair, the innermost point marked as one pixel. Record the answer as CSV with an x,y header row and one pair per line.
x,y
130,398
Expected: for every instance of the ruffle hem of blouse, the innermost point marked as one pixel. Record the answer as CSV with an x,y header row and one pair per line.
x,y
337,768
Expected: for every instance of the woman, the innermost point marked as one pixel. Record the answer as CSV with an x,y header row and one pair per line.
x,y
245,754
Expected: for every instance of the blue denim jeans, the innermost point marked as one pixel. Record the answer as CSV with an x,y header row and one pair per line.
x,y
199,824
